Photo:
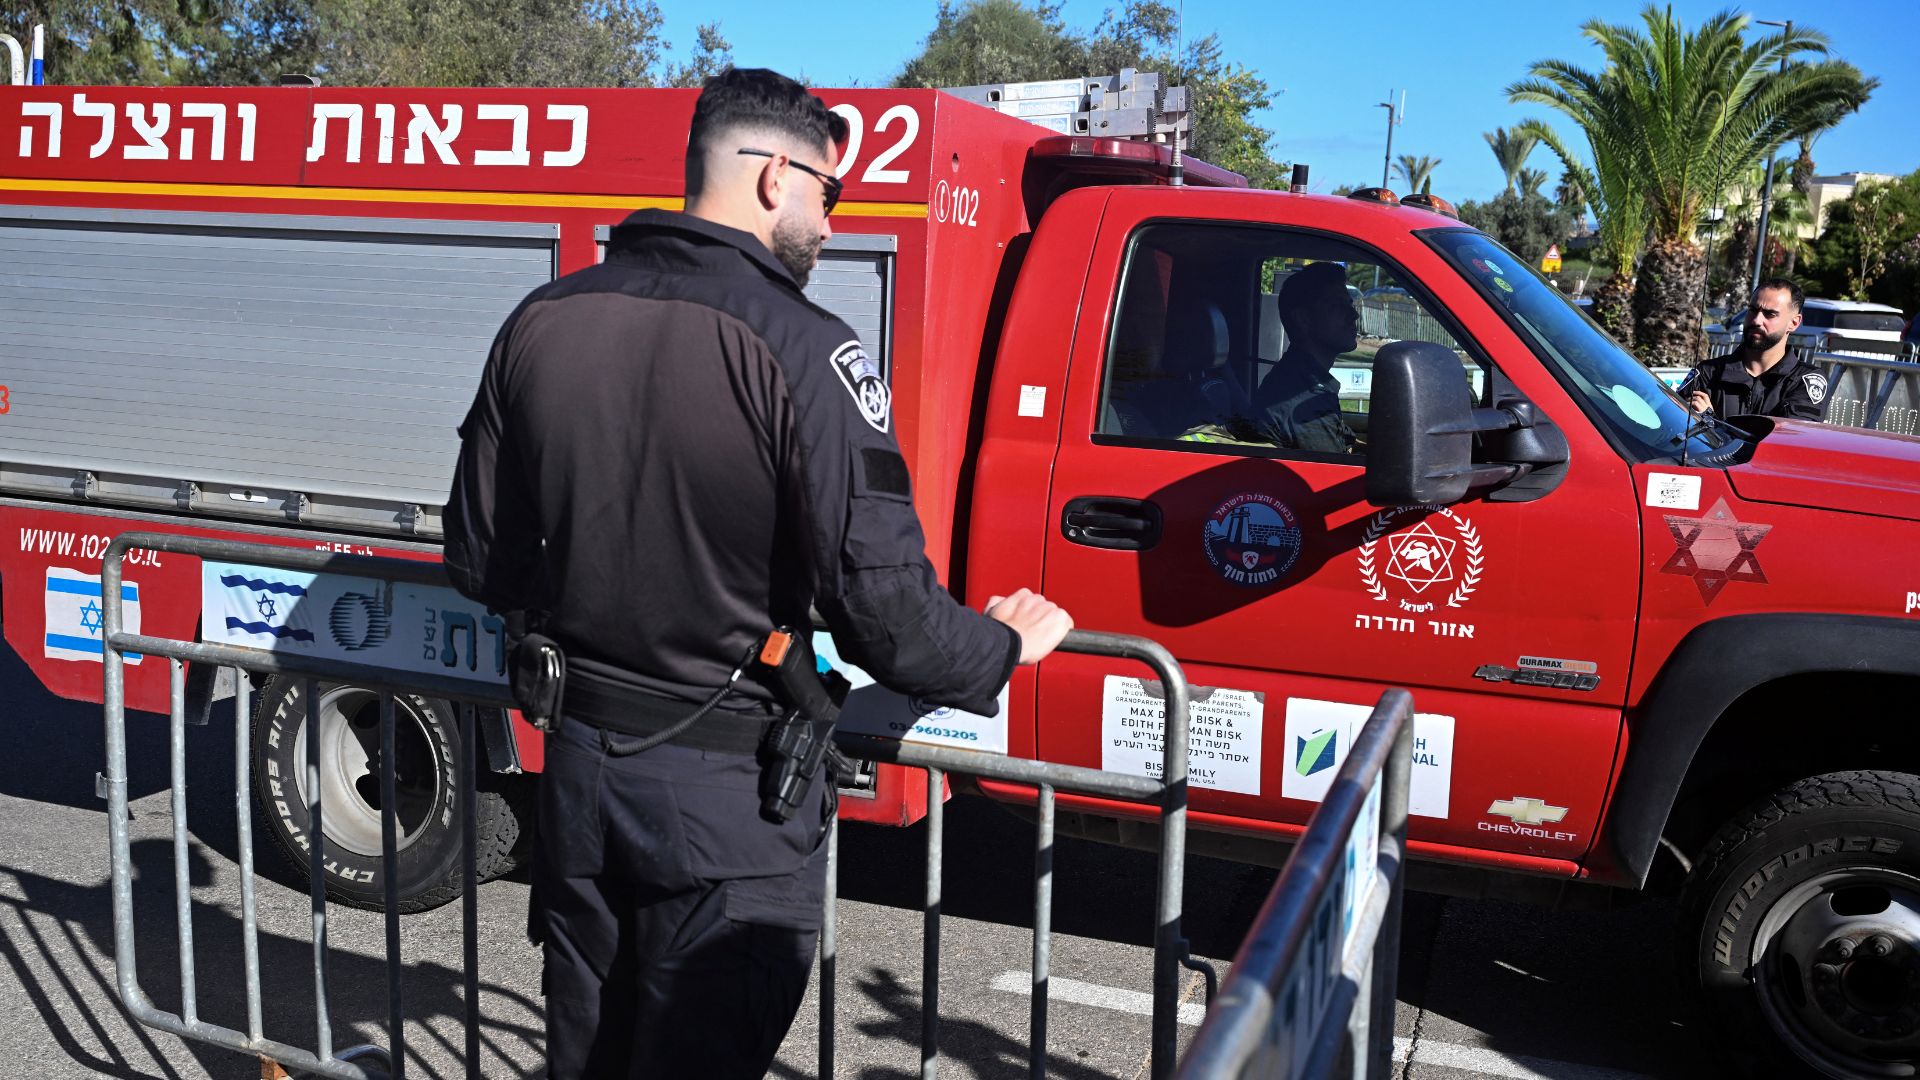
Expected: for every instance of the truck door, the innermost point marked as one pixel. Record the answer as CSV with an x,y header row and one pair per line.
x,y
1209,493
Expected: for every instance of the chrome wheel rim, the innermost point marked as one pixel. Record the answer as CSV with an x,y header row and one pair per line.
x,y
1836,966
349,726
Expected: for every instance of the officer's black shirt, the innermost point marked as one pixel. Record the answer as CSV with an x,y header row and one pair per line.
x,y
1791,388
674,451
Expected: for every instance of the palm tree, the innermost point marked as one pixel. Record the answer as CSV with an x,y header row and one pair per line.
x,y
1417,171
1678,114
1742,200
1609,189
1568,195
1530,181
1511,151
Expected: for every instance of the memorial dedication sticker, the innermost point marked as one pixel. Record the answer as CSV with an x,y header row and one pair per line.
x,y
1223,740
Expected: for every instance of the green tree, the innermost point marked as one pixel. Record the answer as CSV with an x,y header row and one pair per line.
x,y
1879,225
994,41
991,41
1531,180
1680,112
1569,196
487,42
1525,222
123,42
1416,171
1742,198
1511,151
712,54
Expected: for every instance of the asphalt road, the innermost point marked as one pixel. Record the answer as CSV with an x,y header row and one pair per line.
x,y
1487,989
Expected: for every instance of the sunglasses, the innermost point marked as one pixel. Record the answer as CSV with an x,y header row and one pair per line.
x,y
828,181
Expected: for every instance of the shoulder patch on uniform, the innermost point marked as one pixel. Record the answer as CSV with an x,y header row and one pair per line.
x,y
1816,386
886,472
861,377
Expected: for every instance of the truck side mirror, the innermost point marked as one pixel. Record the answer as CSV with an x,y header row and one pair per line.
x,y
1419,428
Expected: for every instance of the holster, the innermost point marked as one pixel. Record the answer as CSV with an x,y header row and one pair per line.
x,y
537,674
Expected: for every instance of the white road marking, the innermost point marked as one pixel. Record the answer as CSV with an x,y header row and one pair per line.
x,y
1102,997
1474,1059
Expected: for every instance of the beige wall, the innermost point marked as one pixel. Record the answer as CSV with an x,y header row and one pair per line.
x,y
1828,190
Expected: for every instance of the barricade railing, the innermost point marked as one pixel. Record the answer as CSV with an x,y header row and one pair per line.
x,y
1878,393
1167,792
1050,780
323,1060
1311,993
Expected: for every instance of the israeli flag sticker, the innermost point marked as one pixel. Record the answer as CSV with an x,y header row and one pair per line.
x,y
77,620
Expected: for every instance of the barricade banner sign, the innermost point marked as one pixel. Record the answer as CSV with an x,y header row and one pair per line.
x,y
427,629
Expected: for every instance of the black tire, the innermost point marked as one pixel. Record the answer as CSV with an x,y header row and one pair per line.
x,y
427,745
1800,926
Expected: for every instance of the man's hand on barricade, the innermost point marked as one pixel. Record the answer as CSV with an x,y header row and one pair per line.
x,y
1040,622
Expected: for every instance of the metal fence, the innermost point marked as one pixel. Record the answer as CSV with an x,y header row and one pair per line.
x,y
1311,993
323,1059
1401,320
1167,793
1878,393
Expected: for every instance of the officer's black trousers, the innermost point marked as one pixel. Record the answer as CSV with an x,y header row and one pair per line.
x,y
665,957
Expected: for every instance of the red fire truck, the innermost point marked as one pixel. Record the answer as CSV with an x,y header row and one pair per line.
x,y
1649,650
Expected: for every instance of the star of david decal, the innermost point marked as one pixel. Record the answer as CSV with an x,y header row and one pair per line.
x,y
1715,549
266,607
1420,557
92,619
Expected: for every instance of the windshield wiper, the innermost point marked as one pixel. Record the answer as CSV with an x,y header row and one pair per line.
x,y
1706,422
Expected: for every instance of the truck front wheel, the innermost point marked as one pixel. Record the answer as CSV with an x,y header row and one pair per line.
x,y
426,750
1801,923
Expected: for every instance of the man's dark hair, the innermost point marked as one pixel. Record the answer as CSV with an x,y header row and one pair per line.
x,y
1309,285
758,99
1799,294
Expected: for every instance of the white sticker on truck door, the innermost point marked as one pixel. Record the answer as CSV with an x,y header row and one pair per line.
x,y
1673,491
1319,734
1223,733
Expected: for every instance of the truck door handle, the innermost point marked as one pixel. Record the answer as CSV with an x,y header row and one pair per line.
x,y
1104,521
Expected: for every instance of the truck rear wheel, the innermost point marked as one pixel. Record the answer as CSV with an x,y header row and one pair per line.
x,y
426,749
1801,924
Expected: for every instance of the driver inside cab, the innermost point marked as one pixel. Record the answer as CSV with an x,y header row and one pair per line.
x,y
1298,403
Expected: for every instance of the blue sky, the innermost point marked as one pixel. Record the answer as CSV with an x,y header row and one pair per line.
x,y
1335,61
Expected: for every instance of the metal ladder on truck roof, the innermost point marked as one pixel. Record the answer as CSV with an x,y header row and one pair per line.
x,y
1130,105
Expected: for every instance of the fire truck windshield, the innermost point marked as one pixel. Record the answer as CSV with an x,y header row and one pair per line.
x,y
1641,414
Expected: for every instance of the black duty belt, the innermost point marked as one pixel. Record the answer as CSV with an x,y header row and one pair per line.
x,y
623,711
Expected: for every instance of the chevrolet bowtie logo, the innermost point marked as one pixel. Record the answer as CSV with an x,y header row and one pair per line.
x,y
1527,811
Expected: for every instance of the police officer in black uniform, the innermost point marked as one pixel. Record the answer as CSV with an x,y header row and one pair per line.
x,y
671,454
1760,377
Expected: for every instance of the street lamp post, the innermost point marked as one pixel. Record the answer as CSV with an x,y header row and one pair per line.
x,y
1713,216
1394,112
1766,187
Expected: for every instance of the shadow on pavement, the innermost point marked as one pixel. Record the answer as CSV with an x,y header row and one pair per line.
x,y
357,984
1596,987
1099,891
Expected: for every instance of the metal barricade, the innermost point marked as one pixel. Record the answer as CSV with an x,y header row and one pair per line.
x,y
323,1060
1877,393
1880,394
1311,993
1168,793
